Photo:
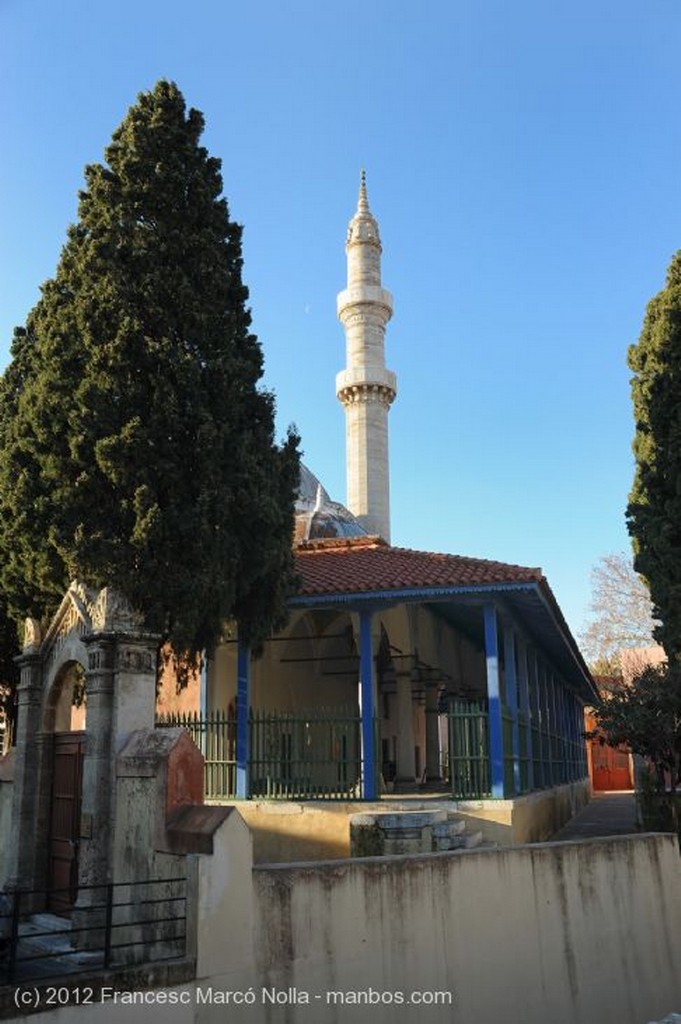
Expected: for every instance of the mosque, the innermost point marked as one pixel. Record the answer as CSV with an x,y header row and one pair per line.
x,y
401,674
399,670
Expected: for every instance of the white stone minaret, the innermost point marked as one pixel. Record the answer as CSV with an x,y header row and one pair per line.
x,y
366,388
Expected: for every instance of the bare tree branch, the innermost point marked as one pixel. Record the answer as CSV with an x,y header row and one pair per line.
x,y
621,610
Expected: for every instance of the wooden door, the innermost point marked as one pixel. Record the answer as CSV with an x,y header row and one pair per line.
x,y
67,776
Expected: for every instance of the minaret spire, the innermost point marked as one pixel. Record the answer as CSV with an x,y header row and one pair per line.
x,y
363,202
366,388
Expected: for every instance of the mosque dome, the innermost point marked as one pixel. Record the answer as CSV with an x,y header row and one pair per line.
x,y
317,516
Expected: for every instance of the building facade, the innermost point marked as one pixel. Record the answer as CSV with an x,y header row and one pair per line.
x,y
399,670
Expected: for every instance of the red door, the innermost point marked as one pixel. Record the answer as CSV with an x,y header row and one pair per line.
x,y
611,767
69,750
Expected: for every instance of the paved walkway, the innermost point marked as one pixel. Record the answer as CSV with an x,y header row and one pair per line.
x,y
606,814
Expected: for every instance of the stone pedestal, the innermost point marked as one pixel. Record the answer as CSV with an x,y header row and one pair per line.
x,y
399,832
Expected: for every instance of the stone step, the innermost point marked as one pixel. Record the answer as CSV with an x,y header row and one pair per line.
x,y
451,827
46,933
42,942
51,922
472,840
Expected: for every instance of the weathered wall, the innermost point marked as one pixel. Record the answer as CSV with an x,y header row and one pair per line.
x,y
572,933
146,792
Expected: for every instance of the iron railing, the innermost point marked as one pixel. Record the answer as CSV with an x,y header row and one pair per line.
x,y
113,925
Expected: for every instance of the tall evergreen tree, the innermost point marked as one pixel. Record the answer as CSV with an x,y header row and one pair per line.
x,y
136,448
654,511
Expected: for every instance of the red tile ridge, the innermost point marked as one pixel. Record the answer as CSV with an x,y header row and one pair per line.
x,y
341,543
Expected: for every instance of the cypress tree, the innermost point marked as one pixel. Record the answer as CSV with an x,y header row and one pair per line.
x,y
137,449
654,510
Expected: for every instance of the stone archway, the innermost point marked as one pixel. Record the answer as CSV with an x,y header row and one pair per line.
x,y
100,632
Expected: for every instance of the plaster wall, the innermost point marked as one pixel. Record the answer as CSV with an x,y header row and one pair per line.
x,y
513,935
285,831
302,669
572,933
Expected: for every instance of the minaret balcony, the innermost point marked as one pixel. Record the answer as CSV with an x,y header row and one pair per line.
x,y
366,377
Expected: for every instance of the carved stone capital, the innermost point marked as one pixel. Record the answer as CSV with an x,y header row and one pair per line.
x,y
101,652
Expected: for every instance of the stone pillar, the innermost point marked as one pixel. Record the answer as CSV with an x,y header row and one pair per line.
x,y
432,734
405,776
29,830
134,704
95,861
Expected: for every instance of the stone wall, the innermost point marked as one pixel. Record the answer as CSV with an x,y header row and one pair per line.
x,y
6,790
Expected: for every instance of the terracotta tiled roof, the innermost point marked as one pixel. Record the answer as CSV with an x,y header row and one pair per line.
x,y
357,565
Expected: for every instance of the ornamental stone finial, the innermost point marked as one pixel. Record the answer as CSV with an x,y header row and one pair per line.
x,y
32,634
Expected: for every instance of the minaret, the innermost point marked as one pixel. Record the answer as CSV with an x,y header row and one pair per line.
x,y
366,388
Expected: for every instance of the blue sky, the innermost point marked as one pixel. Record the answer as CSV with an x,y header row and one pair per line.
x,y
523,163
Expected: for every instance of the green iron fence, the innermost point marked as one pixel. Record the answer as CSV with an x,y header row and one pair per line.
x,y
308,755
469,749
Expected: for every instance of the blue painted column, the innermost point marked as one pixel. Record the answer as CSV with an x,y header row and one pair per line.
x,y
553,725
562,730
243,737
367,706
203,698
511,678
525,709
579,742
560,706
537,719
546,723
580,729
496,725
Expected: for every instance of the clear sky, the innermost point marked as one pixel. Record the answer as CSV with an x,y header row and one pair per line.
x,y
523,163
